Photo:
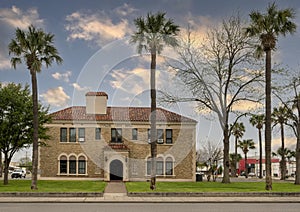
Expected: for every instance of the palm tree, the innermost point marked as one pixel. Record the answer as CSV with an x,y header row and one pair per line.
x,y
280,116
245,146
283,153
153,33
238,130
234,157
35,48
258,122
268,27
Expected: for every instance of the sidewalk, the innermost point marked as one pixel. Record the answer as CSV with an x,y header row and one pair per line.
x,y
115,192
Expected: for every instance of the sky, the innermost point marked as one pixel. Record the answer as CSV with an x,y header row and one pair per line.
x,y
92,37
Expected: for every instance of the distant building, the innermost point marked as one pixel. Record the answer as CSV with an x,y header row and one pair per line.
x,y
253,167
112,143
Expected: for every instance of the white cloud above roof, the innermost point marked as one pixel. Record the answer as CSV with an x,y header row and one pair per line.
x,y
56,97
99,28
62,76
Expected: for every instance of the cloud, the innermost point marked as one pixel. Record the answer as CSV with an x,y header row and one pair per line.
x,y
98,28
4,62
56,97
125,10
77,87
65,76
15,17
290,143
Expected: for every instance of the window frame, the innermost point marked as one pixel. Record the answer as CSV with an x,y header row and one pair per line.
x,y
118,135
98,133
63,169
80,130
72,166
81,162
169,162
169,140
65,138
134,134
72,137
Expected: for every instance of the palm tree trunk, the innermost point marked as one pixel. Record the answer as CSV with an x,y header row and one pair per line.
x,y
153,133
226,163
268,130
246,166
283,162
35,131
260,154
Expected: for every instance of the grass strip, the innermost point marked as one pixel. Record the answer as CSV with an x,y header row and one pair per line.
x,y
211,187
54,186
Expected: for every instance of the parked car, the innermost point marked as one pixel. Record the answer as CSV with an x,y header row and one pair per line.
x,y
251,174
18,173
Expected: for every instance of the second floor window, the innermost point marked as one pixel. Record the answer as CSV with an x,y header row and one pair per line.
x,y
116,135
63,134
72,134
134,134
81,134
98,133
160,136
169,136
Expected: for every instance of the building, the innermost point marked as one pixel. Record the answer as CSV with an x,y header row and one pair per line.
x,y
253,167
112,143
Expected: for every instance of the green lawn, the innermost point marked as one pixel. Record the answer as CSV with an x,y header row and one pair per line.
x,y
54,186
211,187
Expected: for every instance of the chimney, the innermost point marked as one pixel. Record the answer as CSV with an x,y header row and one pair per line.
x,y
96,102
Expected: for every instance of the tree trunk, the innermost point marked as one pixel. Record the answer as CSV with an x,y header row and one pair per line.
x,y
283,161
246,166
260,154
1,165
297,180
226,162
35,144
234,172
6,166
153,133
268,130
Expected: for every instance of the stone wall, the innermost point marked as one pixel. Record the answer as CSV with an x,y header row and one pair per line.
x,y
182,150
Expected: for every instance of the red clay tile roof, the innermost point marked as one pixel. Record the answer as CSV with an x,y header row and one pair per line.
x,y
139,114
96,94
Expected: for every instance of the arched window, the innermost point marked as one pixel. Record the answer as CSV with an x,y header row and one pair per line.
x,y
81,165
63,165
159,166
72,165
169,166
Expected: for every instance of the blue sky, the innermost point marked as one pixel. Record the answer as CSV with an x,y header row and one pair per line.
x,y
92,38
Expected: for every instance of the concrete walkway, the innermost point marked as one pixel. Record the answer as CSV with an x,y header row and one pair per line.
x,y
115,189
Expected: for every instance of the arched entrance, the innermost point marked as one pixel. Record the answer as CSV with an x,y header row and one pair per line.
x,y
116,170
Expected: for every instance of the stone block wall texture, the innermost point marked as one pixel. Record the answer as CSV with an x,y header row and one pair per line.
x,y
182,150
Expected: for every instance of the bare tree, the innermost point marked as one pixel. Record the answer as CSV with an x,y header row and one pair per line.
x,y
210,154
289,95
219,75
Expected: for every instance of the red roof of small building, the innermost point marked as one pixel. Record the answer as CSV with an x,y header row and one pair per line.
x,y
139,114
96,94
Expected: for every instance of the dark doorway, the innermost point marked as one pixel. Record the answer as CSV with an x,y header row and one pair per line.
x,y
116,170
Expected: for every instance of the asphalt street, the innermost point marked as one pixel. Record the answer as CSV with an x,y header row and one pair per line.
x,y
149,207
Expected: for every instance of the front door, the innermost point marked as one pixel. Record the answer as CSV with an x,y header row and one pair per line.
x,y
116,170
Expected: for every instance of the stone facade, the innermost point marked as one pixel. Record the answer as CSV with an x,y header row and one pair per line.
x,y
124,159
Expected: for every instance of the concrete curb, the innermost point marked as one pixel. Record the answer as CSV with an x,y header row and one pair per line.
x,y
51,194
215,194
